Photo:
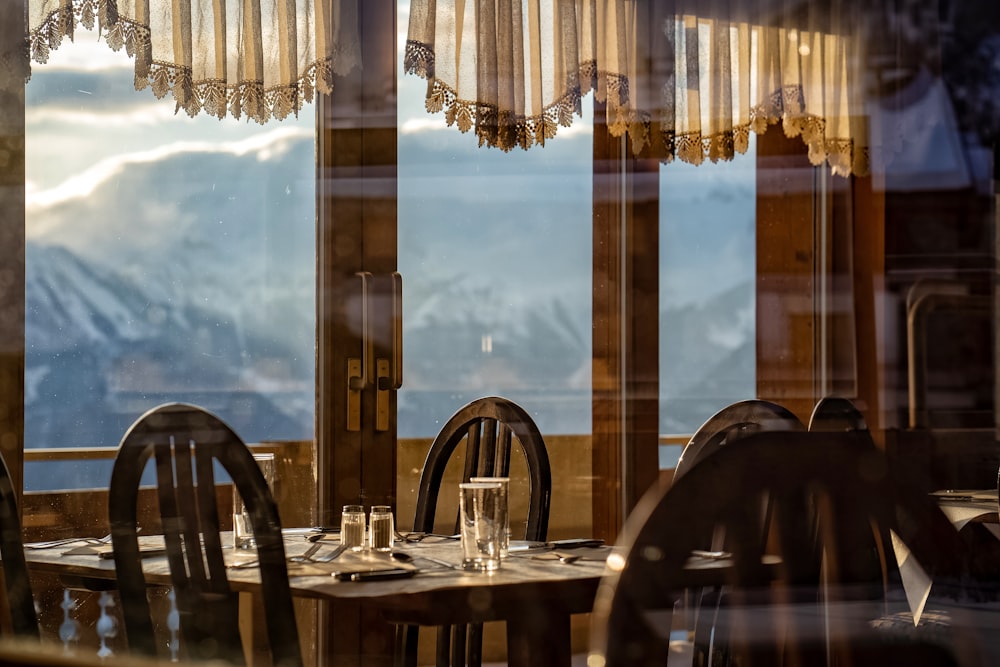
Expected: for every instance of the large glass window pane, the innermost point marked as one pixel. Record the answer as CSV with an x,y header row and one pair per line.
x,y
168,259
495,253
707,292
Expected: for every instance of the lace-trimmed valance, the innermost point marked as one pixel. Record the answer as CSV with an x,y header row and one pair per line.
x,y
257,58
680,84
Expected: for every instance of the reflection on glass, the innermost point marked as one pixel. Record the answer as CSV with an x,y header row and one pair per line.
x,y
707,290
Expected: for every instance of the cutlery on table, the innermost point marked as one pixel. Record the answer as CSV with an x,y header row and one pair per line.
x,y
556,555
67,541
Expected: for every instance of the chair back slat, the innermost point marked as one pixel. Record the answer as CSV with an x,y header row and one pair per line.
x,y
501,466
473,449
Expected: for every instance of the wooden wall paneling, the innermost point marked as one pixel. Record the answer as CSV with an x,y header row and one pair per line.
x,y
869,249
786,331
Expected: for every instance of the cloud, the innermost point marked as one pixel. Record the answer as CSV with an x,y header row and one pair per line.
x,y
145,114
265,146
108,89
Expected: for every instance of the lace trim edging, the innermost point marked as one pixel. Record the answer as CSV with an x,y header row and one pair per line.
x,y
505,130
213,96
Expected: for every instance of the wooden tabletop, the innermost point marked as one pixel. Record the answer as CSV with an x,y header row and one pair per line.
x,y
436,595
535,596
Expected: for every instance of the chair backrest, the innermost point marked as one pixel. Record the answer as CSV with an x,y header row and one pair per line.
x,y
836,413
20,603
844,479
186,442
488,426
731,423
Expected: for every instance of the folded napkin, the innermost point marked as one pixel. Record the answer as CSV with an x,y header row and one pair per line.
x,y
916,582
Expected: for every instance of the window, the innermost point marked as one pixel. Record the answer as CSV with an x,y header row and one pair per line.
x,y
495,253
168,259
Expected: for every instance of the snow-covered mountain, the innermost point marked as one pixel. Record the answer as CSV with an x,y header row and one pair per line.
x,y
185,277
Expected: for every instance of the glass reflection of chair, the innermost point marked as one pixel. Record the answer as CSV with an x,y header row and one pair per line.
x,y
488,427
185,443
731,423
836,413
781,610
724,428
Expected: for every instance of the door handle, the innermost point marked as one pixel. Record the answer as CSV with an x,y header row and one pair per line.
x,y
389,372
357,368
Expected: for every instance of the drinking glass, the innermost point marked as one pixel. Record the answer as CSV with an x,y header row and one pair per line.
x,y
380,528
482,525
504,508
242,525
352,527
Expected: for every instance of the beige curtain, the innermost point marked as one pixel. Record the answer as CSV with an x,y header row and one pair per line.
x,y
256,58
683,79
515,70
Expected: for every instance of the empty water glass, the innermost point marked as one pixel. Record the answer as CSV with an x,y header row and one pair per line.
x,y
504,483
242,524
481,518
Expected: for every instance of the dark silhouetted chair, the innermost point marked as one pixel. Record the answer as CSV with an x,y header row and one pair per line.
x,y
724,428
185,443
836,414
20,603
488,427
731,423
775,615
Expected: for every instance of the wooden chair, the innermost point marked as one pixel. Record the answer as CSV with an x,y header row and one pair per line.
x,y
186,442
20,603
488,427
774,615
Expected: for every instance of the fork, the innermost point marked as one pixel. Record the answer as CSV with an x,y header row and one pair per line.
x,y
309,555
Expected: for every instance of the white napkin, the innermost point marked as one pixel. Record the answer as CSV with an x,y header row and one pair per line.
x,y
916,583
959,515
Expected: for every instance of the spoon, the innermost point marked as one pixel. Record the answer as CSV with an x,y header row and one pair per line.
x,y
556,555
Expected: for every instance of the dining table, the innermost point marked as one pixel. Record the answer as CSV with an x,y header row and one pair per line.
x,y
535,591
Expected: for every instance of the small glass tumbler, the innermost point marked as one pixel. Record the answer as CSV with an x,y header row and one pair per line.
x,y
242,524
504,483
481,520
352,527
380,528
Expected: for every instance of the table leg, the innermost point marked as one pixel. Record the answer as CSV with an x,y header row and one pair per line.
x,y
539,639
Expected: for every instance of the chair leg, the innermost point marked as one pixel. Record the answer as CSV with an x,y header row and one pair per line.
x,y
406,646
458,644
442,656
476,645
